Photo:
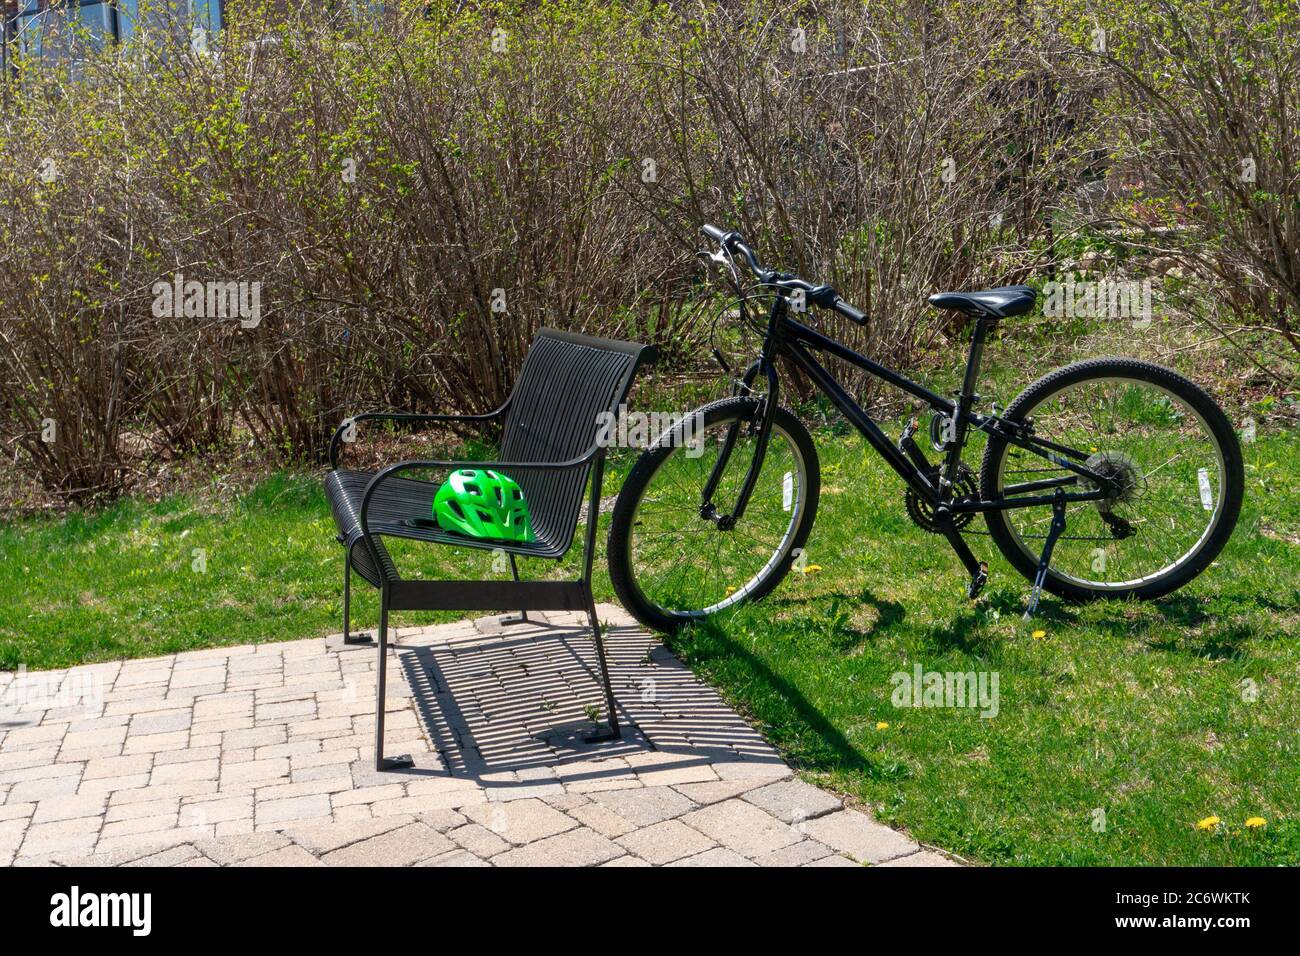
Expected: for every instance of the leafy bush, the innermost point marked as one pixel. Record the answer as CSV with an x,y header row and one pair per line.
x,y
414,194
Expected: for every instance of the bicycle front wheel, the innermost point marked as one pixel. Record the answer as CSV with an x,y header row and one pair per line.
x,y
671,560
1174,460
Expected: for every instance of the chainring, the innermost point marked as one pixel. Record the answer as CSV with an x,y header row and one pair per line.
x,y
922,514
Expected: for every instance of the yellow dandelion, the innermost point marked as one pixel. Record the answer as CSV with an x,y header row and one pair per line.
x,y
731,590
1256,822
810,568
1209,823
882,725
1039,635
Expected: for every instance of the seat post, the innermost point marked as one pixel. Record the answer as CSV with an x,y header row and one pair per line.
x,y
966,399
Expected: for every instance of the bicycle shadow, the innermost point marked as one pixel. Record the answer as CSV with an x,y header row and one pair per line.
x,y
836,622
1188,613
832,752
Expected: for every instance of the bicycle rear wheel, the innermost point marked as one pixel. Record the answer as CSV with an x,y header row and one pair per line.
x,y
669,561
1173,456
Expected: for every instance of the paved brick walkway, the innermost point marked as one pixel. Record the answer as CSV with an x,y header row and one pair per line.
x,y
261,755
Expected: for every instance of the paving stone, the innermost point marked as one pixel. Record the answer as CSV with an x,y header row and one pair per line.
x,y
335,836
665,842
718,856
138,809
602,819
159,722
108,737
578,847
567,801
69,808
751,770
294,808
13,811
255,771
742,827
346,798
627,860
520,821
478,840
661,768
137,825
834,861
173,856
153,743
229,850
456,857
796,854
856,835
44,788
254,737
716,791
645,806
924,858
285,856
442,820
203,811
401,847
185,772
793,801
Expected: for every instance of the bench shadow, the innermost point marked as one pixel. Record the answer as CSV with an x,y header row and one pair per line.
x,y
512,710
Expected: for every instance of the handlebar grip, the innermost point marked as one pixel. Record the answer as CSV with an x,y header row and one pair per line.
x,y
713,232
849,312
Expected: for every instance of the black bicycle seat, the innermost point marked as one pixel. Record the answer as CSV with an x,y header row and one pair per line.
x,y
1002,302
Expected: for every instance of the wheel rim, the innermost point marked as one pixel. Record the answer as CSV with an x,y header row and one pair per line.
x,y
683,565
1167,454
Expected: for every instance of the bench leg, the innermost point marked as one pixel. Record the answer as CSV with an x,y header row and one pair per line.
x,y
522,616
613,733
349,638
381,680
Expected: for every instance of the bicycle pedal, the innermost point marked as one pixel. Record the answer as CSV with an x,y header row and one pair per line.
x,y
977,581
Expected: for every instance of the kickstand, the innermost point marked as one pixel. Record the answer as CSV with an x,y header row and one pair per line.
x,y
1054,532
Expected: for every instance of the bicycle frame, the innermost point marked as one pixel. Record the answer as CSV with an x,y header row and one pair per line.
x,y
797,342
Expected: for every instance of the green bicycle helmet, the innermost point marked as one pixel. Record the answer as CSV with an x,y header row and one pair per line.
x,y
483,504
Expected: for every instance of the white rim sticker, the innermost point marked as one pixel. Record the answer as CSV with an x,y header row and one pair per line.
x,y
787,491
1207,493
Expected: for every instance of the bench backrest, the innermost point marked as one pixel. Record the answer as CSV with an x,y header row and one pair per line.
x,y
566,382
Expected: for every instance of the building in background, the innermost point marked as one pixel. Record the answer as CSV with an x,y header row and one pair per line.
x,y
62,29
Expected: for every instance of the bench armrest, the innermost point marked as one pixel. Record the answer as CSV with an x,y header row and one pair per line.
x,y
337,440
582,461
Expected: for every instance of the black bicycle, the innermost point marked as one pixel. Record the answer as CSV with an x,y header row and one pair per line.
x,y
1109,477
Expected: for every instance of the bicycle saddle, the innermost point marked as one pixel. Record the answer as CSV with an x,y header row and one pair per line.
x,y
1002,302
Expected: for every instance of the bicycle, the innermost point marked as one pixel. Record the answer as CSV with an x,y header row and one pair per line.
x,y
1138,462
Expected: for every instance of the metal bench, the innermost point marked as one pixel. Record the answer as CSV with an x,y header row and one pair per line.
x,y
548,446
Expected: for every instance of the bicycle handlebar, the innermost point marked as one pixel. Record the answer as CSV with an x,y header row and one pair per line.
x,y
822,296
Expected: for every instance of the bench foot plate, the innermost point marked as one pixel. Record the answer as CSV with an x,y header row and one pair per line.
x,y
404,762
336,642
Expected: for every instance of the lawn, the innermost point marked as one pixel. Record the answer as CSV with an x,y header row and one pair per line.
x,y
1118,728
